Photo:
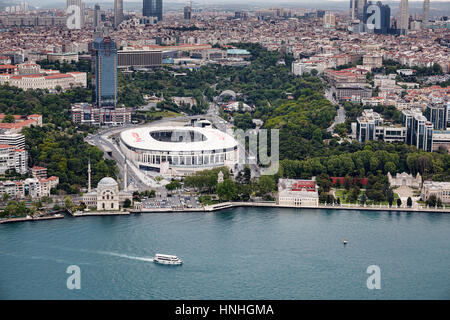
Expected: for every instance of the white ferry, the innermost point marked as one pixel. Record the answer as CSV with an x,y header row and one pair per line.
x,y
166,259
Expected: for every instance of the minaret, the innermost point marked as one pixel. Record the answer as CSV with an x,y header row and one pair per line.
x,y
89,175
125,169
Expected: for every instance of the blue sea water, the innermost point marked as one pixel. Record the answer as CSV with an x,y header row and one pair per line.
x,y
244,253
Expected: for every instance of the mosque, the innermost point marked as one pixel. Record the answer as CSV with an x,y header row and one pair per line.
x,y
107,195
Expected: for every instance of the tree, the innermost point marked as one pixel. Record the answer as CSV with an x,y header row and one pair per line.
x,y
390,197
68,203
324,181
363,199
266,184
127,203
347,183
431,201
5,197
353,194
173,185
8,119
409,202
399,202
227,190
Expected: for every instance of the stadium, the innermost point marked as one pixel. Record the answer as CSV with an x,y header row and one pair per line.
x,y
179,150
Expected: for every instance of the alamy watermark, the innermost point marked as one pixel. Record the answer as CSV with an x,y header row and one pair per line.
x,y
258,149
374,280
74,280
258,146
374,20
74,17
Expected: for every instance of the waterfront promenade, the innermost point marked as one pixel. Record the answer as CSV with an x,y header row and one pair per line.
x,y
28,218
230,205
227,205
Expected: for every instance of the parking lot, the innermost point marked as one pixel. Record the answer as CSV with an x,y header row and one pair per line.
x,y
171,201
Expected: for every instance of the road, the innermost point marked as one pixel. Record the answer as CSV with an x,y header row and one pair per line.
x,y
340,117
223,125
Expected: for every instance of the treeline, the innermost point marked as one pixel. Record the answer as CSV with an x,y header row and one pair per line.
x,y
373,158
54,108
162,82
80,66
66,156
240,189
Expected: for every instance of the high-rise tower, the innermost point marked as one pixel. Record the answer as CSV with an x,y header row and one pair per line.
x,y
426,15
118,12
153,8
403,17
105,64
188,11
96,16
361,4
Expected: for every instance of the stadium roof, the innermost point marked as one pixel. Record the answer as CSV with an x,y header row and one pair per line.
x,y
214,139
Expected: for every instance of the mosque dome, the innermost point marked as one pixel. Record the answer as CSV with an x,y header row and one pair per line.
x,y
107,181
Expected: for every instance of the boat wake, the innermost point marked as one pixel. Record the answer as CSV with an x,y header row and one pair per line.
x,y
125,256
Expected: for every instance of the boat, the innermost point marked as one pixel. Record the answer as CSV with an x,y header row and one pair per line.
x,y
167,259
345,240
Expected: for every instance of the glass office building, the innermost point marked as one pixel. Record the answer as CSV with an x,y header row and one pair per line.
x,y
153,8
437,114
105,63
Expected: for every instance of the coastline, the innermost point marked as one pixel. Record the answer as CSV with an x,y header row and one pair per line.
x,y
24,219
231,205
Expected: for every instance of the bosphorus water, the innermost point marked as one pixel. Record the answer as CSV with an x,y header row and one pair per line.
x,y
243,253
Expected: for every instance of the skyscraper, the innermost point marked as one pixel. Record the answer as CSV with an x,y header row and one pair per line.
x,y
353,9
153,8
426,15
118,12
187,13
96,16
357,9
403,17
437,114
361,5
105,64
419,131
80,4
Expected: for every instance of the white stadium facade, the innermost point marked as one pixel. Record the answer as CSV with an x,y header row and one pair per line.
x,y
179,150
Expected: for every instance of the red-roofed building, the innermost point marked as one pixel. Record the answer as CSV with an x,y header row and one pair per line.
x,y
8,69
297,193
20,122
39,172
